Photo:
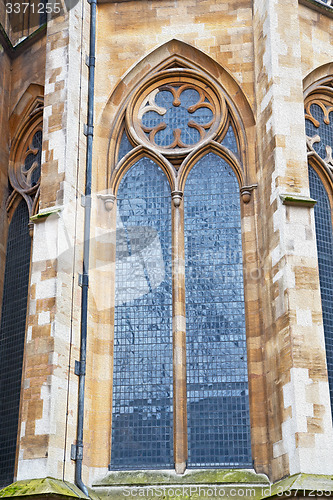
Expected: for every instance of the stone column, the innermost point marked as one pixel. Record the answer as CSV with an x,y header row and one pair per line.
x,y
179,334
300,426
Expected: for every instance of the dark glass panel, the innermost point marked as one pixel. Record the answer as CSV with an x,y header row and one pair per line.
x,y
217,381
324,237
124,147
142,419
12,335
229,140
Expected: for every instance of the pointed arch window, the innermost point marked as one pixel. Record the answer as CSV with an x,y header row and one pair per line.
x,y
319,131
180,382
24,180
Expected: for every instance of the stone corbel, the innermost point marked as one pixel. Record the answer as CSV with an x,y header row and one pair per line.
x,y
108,199
246,192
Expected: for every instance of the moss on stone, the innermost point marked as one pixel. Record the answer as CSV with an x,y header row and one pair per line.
x,y
301,485
45,487
297,200
208,476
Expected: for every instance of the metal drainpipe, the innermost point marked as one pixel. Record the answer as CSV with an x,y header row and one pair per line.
x,y
81,366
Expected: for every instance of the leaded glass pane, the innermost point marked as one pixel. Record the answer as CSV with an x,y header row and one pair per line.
x,y
324,237
142,418
229,140
124,147
12,335
217,382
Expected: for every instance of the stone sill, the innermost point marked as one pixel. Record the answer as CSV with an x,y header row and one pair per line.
x,y
194,484
194,476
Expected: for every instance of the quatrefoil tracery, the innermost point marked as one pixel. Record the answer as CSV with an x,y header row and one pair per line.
x,y
169,113
175,112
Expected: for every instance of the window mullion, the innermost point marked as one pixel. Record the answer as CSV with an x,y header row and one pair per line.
x,y
179,339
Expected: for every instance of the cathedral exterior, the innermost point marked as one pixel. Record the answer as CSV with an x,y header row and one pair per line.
x,y
166,249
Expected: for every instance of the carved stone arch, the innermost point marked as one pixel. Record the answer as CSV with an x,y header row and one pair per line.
x,y
25,122
29,104
318,93
170,56
130,159
200,152
318,77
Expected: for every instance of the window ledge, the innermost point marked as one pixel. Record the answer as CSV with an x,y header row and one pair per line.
x,y
194,476
197,484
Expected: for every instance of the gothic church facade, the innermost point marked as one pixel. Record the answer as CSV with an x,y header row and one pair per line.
x,y
166,322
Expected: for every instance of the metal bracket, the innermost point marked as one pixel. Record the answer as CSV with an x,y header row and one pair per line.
x,y
83,280
90,61
73,452
79,368
85,201
88,129
76,452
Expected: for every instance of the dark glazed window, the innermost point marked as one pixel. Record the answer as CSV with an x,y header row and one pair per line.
x,y
217,381
324,237
12,335
142,417
229,140
124,147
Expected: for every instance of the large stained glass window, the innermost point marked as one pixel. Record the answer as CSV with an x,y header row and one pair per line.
x,y
217,380
12,335
180,383
324,237
142,417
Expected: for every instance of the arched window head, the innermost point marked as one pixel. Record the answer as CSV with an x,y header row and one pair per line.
x,y
24,169
175,113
